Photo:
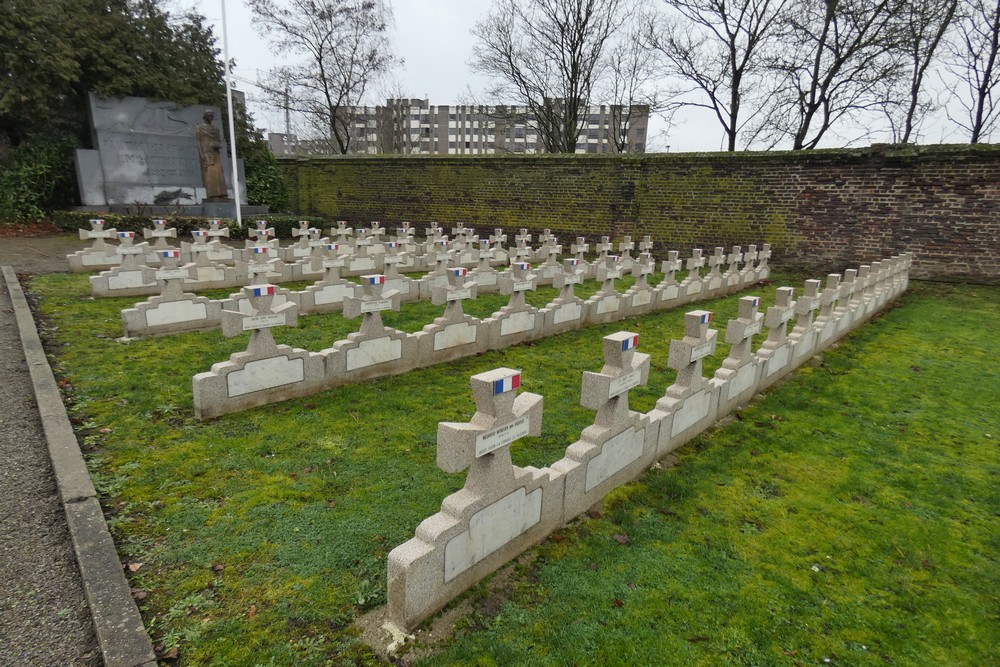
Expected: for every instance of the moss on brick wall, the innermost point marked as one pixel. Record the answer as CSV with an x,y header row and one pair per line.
x,y
821,209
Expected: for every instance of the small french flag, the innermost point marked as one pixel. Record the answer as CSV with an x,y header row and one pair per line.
x,y
391,244
524,266
170,253
199,232
313,231
460,272
507,384
791,292
484,243
614,258
159,223
377,279
214,223
706,318
574,262
96,222
332,246
259,249
126,235
630,343
263,290
443,243
756,301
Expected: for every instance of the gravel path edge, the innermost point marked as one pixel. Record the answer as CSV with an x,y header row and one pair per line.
x,y
120,632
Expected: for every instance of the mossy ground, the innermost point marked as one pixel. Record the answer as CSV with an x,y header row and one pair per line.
x,y
852,515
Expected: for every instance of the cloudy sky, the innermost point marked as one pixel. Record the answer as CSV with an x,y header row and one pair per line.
x,y
433,37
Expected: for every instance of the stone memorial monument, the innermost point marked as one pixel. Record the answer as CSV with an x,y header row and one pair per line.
x,y
158,156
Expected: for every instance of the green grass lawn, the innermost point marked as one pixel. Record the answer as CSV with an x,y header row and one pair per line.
x,y
853,515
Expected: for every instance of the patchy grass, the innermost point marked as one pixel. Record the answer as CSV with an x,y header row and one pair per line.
x,y
852,515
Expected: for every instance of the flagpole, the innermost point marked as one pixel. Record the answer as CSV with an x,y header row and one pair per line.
x,y
232,124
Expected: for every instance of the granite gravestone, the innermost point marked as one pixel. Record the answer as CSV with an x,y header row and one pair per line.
x,y
146,153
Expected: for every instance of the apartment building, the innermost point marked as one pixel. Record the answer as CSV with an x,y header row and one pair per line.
x,y
414,126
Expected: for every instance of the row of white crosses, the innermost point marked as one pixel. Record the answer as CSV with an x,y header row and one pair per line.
x,y
376,350
504,509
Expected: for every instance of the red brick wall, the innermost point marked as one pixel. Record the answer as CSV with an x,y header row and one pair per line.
x,y
823,210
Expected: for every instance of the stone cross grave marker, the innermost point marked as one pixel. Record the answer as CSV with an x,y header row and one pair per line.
x,y
826,323
668,287
370,305
614,448
714,277
377,231
98,234
749,273
776,350
329,292
454,293
159,233
261,263
692,283
803,335
171,275
739,373
486,275
845,304
262,318
646,244
763,270
566,309
501,509
483,444
343,232
640,295
691,398
732,275
216,231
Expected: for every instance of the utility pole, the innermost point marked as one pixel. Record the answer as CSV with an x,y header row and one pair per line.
x,y
232,124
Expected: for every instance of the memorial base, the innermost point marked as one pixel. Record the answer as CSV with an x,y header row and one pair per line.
x,y
205,209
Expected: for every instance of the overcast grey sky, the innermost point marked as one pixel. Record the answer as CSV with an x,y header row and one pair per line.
x,y
433,37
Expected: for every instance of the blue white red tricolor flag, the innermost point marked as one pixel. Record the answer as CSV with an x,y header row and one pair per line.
x,y
332,246
574,262
524,266
630,343
756,301
377,279
443,242
199,232
126,235
507,384
391,244
159,223
460,272
96,222
259,249
706,318
170,253
614,258
263,290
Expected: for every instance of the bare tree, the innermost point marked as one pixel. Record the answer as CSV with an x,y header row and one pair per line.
x,y
547,55
834,64
343,48
716,48
973,60
920,28
631,84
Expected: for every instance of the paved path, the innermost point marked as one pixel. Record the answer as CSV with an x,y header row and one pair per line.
x,y
44,618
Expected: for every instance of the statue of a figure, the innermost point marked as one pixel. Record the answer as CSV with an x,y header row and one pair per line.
x,y
209,146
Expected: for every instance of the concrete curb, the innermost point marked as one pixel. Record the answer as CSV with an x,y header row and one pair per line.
x,y
120,632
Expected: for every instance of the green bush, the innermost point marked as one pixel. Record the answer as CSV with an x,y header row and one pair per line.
x,y
36,177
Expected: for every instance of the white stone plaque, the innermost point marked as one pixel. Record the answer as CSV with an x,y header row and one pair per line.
x,y
517,323
695,409
376,306
567,313
616,453
175,311
521,285
490,528
501,436
701,351
333,263
622,384
743,380
265,374
171,274
459,294
263,321
131,250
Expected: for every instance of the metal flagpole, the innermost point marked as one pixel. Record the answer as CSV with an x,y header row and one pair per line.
x,y
232,125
